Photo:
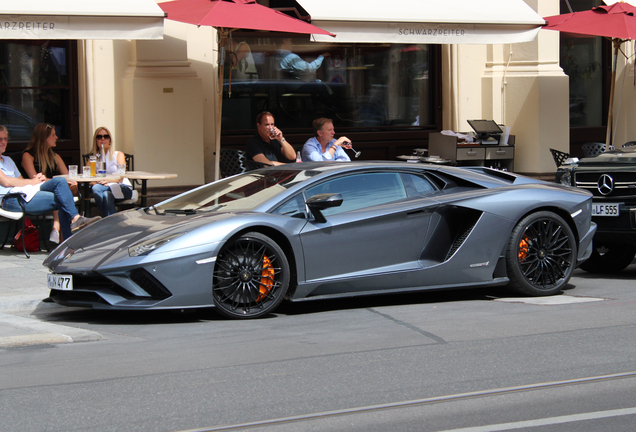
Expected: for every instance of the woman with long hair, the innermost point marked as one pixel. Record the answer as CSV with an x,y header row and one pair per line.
x,y
102,192
39,157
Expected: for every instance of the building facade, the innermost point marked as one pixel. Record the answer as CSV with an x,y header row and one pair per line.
x,y
159,97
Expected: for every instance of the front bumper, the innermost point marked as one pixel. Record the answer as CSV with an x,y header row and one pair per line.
x,y
585,245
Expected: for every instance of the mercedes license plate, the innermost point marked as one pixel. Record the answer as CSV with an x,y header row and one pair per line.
x,y
605,209
60,282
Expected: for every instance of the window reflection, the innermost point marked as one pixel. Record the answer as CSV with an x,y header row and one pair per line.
x,y
361,191
581,60
34,86
358,86
238,193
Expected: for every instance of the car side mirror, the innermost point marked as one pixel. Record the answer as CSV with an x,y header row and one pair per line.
x,y
323,201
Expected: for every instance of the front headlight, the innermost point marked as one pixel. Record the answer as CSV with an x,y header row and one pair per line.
x,y
64,253
566,178
149,245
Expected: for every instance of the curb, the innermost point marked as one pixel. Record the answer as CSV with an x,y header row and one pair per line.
x,y
42,333
25,303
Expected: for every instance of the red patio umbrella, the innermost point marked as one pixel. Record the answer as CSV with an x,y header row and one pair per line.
x,y
616,21
227,16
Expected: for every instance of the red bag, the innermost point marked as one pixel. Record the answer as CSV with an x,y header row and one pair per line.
x,y
31,238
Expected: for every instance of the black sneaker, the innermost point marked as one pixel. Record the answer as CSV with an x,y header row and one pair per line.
x,y
82,222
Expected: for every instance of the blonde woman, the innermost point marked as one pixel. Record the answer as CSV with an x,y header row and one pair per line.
x,y
104,198
39,157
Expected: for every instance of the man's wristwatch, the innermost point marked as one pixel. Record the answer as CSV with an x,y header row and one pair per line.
x,y
283,140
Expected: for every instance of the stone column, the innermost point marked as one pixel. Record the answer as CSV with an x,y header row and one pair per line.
x,y
163,111
524,87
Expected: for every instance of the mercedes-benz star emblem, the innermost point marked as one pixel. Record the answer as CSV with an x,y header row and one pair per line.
x,y
605,184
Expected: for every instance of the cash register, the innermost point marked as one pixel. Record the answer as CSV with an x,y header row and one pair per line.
x,y
487,131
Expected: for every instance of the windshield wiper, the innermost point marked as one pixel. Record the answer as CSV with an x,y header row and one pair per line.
x,y
211,208
181,211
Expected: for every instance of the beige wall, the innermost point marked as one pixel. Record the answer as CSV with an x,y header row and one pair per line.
x,y
151,99
201,52
625,96
519,85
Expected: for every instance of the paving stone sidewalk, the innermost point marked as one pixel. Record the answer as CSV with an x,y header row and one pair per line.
x,y
22,288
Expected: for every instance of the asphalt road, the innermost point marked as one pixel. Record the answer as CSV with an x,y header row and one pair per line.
x,y
469,360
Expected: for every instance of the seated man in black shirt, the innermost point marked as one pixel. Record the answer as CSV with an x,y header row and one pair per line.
x,y
269,146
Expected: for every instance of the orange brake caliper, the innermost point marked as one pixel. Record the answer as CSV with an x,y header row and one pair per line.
x,y
523,249
267,279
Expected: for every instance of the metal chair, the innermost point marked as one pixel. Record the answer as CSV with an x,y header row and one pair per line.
x,y
559,156
591,149
38,220
13,218
20,217
234,161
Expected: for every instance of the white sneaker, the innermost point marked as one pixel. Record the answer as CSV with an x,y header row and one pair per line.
x,y
54,237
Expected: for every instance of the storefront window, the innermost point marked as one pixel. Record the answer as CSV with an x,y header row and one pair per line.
x,y
581,60
367,86
34,86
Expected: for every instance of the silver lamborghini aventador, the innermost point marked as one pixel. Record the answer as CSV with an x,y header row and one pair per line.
x,y
307,231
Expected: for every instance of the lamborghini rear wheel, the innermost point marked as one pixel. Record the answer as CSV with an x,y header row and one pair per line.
x,y
251,277
541,254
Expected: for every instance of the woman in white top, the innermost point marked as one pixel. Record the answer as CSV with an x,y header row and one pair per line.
x,y
104,198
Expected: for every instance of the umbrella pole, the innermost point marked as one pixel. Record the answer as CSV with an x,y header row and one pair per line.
x,y
610,120
219,104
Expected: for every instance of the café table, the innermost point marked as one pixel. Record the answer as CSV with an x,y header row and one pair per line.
x,y
86,186
144,176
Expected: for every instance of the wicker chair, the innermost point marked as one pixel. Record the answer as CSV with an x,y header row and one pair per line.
x,y
559,156
233,161
591,149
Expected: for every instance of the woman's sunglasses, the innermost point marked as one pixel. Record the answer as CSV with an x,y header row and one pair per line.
x,y
103,137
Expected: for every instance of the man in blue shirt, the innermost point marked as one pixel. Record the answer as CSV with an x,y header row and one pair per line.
x,y
292,66
323,146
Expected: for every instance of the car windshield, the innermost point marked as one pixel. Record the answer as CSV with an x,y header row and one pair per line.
x,y
239,193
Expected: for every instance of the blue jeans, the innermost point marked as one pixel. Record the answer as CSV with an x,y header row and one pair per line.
x,y
54,195
104,199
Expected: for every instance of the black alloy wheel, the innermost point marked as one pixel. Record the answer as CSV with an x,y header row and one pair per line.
x,y
609,257
251,277
541,255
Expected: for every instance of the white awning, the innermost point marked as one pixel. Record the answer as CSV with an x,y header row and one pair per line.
x,y
424,21
80,19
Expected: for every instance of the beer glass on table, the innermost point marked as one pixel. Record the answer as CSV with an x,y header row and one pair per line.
x,y
92,160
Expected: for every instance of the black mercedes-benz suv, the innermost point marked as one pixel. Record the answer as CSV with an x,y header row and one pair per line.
x,y
611,177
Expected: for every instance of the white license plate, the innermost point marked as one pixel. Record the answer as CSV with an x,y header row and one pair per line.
x,y
60,282
605,210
